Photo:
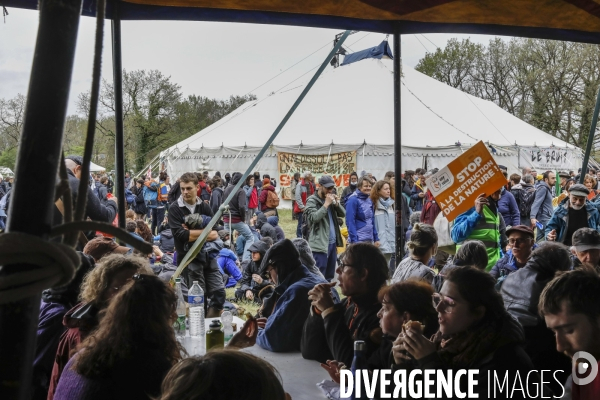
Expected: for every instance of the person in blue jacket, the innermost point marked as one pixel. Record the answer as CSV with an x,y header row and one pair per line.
x,y
227,265
507,206
290,300
360,214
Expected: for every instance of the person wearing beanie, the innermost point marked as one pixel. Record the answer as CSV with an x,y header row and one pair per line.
x,y
572,214
289,304
265,228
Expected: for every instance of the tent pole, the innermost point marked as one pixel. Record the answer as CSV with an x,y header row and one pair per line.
x,y
37,162
590,141
200,241
398,148
118,88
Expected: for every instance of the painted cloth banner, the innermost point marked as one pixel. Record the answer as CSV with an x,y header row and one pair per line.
x,y
337,165
457,185
548,159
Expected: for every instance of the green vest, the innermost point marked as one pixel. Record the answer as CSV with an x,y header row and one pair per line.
x,y
488,231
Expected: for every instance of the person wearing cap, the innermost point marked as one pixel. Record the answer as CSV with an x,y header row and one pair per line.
x,y
321,213
522,243
304,190
572,214
482,222
521,292
541,209
289,305
252,282
586,249
94,209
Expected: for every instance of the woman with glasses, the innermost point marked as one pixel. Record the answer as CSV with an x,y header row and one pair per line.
x,y
360,214
331,329
104,282
400,303
422,247
132,350
475,332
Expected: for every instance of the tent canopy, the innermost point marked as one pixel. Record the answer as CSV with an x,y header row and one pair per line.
x,y
575,20
353,104
96,167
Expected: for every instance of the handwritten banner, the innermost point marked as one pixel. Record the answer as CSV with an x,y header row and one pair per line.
x,y
457,185
548,158
337,165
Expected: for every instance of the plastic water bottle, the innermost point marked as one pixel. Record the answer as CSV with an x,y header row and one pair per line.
x,y
227,319
359,362
196,303
181,310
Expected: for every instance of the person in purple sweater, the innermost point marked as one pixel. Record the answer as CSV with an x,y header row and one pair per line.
x,y
132,350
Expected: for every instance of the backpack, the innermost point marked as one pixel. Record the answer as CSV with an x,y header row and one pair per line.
x,y
272,199
163,193
525,201
129,197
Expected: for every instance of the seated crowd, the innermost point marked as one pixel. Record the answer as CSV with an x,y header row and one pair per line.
x,y
502,302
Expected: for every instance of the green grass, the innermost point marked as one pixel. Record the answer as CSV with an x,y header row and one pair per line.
x,y
288,224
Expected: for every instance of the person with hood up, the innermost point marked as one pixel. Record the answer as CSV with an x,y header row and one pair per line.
x,y
227,261
237,210
263,197
265,228
306,257
97,289
252,281
274,221
572,214
359,215
166,241
56,302
475,332
227,180
331,329
289,304
521,292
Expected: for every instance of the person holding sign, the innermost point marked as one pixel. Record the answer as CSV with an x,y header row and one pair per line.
x,y
482,222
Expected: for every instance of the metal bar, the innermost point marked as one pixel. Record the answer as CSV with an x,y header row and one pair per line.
x,y
118,88
200,241
590,141
398,148
39,156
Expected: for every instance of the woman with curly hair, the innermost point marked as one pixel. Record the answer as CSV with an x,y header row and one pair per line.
x,y
132,350
97,289
143,230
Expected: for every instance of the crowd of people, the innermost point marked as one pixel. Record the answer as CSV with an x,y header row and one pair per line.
x,y
502,298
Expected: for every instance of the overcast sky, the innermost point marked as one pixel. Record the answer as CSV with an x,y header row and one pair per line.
x,y
204,58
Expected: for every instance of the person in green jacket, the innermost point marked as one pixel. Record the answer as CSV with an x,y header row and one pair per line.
x,y
321,214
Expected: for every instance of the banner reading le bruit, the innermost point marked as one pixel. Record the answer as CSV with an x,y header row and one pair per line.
x,y
337,165
457,185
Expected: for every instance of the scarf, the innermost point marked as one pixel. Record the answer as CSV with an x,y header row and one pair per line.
x,y
466,349
387,203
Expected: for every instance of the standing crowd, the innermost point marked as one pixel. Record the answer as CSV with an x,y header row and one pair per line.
x,y
512,285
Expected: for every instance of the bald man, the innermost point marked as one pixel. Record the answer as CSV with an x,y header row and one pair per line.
x,y
95,210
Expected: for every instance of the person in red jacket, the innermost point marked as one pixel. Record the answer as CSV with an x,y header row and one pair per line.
x,y
430,209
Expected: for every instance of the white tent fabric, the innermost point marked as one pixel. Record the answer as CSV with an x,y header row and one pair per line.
x,y
96,167
351,107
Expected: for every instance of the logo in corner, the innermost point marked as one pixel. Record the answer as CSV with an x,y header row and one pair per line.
x,y
582,362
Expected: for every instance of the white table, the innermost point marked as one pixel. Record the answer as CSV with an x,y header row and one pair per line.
x,y
299,376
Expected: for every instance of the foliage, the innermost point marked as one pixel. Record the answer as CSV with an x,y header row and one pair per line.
x,y
551,85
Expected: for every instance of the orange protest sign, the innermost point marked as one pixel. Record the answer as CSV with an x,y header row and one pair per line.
x,y
457,185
